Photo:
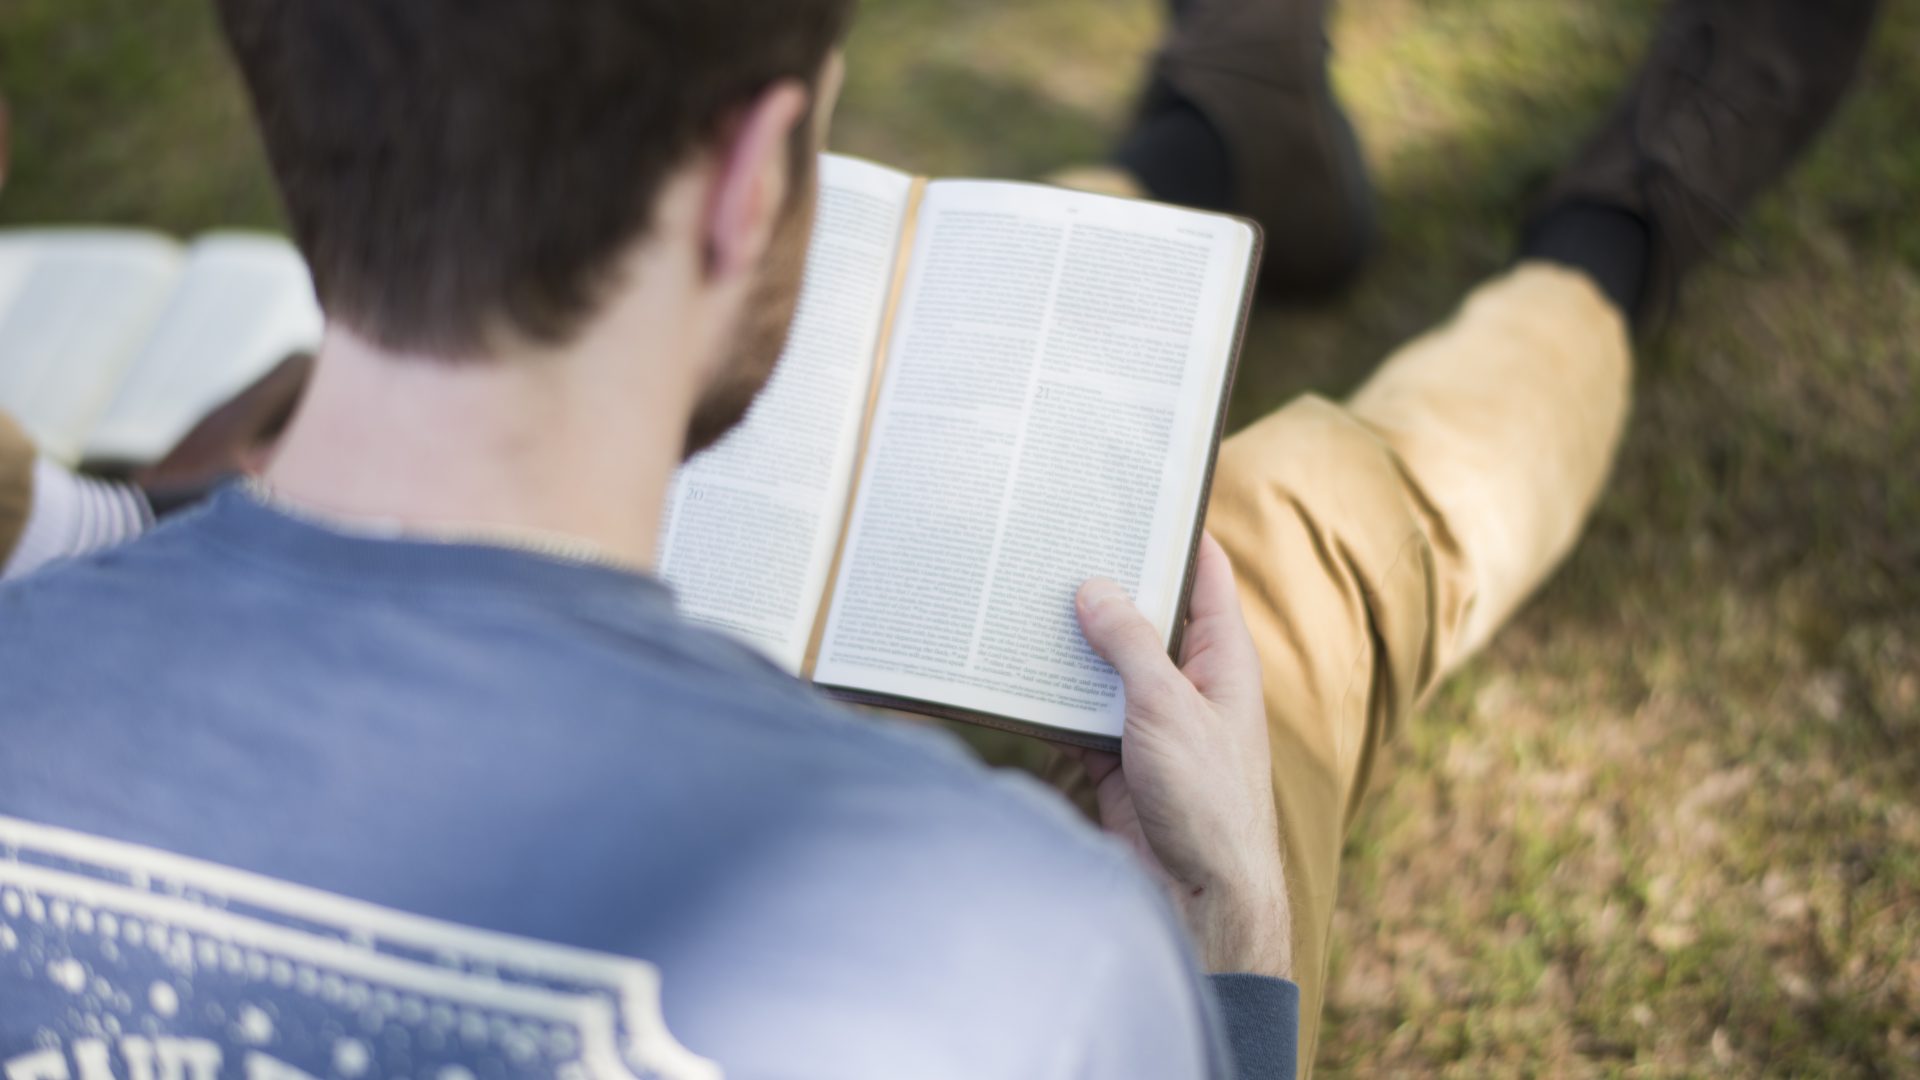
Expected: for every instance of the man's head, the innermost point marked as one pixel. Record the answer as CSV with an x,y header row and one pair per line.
x,y
470,176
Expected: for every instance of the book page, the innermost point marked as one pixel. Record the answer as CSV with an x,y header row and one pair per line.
x,y
1046,416
243,302
75,306
753,521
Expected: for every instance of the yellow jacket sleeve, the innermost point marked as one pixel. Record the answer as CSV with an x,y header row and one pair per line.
x,y
16,484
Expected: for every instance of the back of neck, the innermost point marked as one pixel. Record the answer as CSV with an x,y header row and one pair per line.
x,y
537,444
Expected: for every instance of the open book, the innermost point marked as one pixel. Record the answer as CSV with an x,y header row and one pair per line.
x,y
114,343
991,392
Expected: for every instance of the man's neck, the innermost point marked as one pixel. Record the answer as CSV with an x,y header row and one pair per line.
x,y
575,446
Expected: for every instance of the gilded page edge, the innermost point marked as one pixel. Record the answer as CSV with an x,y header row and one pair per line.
x,y
902,256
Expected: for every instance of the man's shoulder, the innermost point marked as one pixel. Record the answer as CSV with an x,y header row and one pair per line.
x,y
153,572
604,710
908,789
640,689
625,783
892,891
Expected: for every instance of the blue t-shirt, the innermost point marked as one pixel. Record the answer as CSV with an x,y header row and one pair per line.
x,y
277,801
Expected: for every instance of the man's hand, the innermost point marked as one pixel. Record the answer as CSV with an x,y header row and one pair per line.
x,y
1192,787
235,439
238,435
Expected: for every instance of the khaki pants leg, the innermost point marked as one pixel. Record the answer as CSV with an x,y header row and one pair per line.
x,y
16,484
1378,544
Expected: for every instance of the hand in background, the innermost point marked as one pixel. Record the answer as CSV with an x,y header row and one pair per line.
x,y
234,439
58,514
1192,788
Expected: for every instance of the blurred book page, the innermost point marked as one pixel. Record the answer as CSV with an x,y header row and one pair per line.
x,y
1046,415
243,302
75,306
752,522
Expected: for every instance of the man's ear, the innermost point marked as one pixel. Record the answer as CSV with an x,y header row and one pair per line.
x,y
751,180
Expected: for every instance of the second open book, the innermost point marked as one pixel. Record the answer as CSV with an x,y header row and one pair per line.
x,y
991,392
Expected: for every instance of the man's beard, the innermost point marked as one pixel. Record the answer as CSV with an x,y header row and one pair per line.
x,y
762,334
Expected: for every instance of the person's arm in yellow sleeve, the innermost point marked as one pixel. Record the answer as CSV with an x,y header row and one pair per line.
x,y
16,485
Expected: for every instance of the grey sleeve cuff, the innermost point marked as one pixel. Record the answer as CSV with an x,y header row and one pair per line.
x,y
1262,1016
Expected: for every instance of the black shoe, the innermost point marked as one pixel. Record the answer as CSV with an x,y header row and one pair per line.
x,y
1731,93
1256,70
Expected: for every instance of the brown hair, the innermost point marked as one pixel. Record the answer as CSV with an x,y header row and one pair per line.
x,y
458,168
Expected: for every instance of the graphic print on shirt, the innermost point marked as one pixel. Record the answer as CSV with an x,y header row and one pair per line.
x,y
119,962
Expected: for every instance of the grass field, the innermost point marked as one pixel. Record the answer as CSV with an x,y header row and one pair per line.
x,y
1669,825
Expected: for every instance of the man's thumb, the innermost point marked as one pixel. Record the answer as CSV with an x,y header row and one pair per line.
x,y
1119,633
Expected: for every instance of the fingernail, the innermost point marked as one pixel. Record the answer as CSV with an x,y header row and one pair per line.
x,y
1098,591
